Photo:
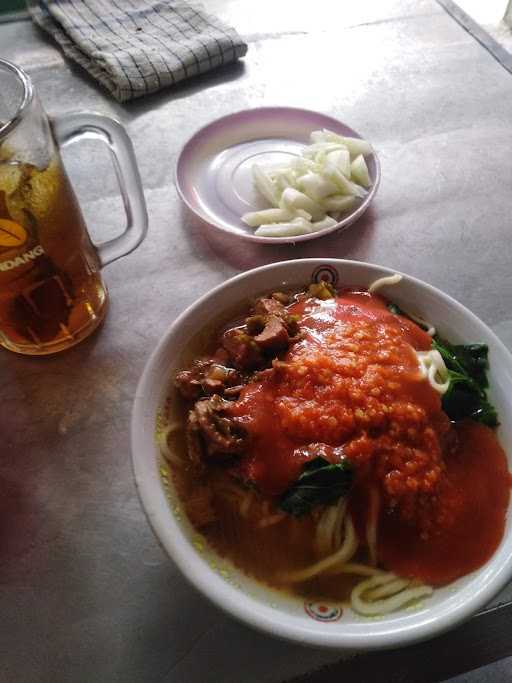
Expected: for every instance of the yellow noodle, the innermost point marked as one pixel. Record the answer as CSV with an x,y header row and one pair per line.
x,y
384,281
163,442
325,529
371,526
338,524
356,568
387,589
362,602
344,554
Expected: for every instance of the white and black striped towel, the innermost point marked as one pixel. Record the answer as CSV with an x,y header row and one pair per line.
x,y
136,47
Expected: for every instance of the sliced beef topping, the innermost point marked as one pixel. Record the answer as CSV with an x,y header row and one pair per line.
x,y
244,352
283,298
266,306
219,435
274,336
271,329
206,377
266,309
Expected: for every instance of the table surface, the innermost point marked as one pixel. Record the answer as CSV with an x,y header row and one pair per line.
x,y
86,592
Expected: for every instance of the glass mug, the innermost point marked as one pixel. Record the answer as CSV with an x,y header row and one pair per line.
x,y
51,292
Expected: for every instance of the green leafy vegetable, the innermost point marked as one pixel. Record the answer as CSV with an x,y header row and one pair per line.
x,y
467,371
474,357
321,483
467,366
396,310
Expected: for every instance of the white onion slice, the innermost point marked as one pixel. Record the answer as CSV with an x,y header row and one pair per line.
x,y
355,146
265,185
326,222
338,202
293,199
359,171
316,186
299,226
341,159
345,186
257,218
314,190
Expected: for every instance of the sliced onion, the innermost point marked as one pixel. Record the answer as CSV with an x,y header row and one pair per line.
x,y
341,159
355,146
293,199
299,226
315,189
359,171
316,186
338,203
256,218
325,147
327,222
265,185
345,186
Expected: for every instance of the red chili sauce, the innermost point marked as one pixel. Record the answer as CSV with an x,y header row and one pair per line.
x,y
353,381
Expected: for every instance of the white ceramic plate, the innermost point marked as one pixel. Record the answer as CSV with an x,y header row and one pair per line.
x,y
244,598
213,171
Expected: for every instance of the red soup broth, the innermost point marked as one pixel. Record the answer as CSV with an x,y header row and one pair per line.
x,y
353,381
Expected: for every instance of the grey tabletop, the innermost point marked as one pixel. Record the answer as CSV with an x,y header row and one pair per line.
x,y
86,593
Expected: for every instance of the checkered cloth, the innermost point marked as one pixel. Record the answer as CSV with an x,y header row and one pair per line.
x,y
136,47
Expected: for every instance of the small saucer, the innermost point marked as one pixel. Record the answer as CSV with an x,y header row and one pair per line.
x,y
214,176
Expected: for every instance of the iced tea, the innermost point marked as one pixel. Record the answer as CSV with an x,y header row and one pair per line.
x,y
51,292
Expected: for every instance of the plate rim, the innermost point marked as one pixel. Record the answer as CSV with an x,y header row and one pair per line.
x,y
340,225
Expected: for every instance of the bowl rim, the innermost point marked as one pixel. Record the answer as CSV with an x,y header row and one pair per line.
x,y
245,607
341,225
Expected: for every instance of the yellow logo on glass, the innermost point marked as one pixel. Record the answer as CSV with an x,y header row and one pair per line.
x,y
12,234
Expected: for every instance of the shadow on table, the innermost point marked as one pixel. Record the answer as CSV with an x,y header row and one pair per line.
x,y
192,640
351,243
132,109
183,89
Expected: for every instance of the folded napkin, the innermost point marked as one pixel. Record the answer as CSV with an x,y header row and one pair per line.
x,y
136,47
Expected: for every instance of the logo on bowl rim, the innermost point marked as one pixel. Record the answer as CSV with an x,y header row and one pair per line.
x,y
325,274
319,611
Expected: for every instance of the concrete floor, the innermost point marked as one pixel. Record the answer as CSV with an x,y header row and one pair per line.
x,y
499,672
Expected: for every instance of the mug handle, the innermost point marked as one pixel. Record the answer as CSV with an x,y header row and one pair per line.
x,y
74,126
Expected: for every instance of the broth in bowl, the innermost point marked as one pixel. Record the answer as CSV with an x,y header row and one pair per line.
x,y
335,447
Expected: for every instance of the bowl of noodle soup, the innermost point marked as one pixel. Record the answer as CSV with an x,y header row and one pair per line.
x,y
298,489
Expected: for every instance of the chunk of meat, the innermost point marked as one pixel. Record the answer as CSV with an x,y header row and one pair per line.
x,y
188,384
206,377
220,435
243,351
274,336
265,306
283,298
233,392
221,356
255,324
292,325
